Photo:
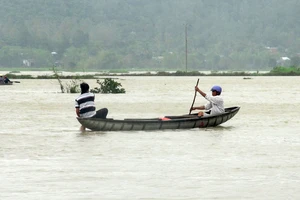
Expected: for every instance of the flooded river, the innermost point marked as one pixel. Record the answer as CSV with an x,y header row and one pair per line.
x,y
255,155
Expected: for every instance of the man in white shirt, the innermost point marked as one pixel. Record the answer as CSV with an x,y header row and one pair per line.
x,y
215,105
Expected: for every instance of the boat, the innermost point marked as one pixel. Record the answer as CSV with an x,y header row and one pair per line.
x,y
188,121
2,83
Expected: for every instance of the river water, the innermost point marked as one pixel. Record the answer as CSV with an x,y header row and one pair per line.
x,y
255,155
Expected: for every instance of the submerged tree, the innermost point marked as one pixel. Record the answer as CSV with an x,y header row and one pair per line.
x,y
56,75
71,87
107,86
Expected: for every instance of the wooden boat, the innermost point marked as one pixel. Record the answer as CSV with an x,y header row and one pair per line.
x,y
2,83
168,122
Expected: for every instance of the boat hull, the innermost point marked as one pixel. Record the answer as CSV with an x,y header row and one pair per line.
x,y
174,122
11,83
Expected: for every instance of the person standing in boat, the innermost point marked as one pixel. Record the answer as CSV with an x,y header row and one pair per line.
x,y
85,104
215,105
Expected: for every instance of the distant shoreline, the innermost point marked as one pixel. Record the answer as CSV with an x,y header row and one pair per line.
x,y
95,75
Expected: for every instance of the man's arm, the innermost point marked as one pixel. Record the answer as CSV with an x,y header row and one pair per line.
x,y
198,108
77,112
200,91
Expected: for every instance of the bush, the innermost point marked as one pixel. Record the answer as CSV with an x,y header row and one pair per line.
x,y
73,86
108,86
285,71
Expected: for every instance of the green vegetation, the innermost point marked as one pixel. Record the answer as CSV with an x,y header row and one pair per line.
x,y
70,87
119,71
108,86
127,35
73,86
285,71
276,71
18,76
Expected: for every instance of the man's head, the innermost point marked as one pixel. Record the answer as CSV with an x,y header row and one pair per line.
x,y
217,89
84,87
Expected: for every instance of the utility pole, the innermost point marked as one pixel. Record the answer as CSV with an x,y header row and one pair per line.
x,y
186,47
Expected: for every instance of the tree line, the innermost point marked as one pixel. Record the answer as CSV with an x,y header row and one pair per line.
x,y
133,34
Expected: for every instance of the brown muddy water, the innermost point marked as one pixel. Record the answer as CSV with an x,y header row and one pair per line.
x,y
255,155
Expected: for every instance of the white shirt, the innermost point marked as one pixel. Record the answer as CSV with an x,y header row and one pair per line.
x,y
215,105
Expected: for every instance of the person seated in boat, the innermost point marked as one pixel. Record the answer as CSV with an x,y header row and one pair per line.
x,y
1,79
85,105
215,104
6,80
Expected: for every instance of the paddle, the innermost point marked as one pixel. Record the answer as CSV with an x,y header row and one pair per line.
x,y
194,98
15,81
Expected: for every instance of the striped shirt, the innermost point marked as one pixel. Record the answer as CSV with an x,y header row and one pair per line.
x,y
86,105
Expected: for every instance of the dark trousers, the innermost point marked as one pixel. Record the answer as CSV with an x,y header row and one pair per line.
x,y
102,113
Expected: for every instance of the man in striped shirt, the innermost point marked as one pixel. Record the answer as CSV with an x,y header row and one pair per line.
x,y
85,105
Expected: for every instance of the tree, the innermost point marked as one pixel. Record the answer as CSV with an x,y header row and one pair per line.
x,y
295,61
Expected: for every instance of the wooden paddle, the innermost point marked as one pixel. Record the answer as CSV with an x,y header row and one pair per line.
x,y
194,98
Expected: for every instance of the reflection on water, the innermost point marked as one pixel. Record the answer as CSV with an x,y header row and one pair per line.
x,y
43,155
